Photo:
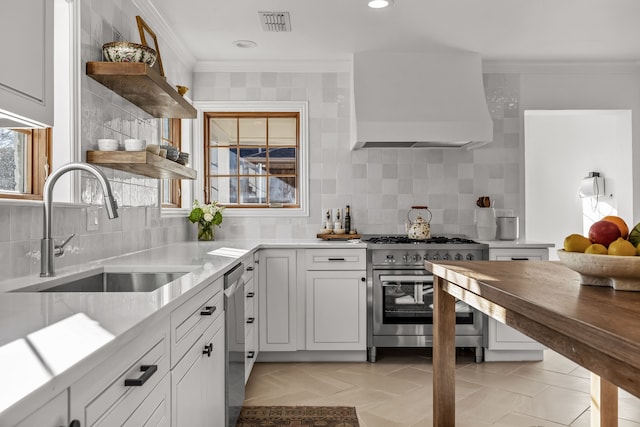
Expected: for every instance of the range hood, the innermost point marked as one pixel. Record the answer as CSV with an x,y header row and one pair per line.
x,y
419,100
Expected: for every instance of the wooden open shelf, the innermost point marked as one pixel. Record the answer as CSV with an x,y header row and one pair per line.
x,y
142,86
141,163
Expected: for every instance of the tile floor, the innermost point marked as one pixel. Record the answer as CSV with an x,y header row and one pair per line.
x,y
397,390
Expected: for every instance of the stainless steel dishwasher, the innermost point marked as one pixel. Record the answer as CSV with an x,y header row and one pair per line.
x,y
234,331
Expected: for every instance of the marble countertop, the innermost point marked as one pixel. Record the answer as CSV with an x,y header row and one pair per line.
x,y
52,322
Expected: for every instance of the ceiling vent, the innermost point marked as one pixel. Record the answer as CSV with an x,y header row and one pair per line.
x,y
275,21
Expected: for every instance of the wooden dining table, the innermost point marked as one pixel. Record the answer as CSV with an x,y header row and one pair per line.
x,y
596,327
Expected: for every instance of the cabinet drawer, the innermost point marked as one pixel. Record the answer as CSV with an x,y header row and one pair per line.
x,y
336,259
192,318
519,254
102,394
251,352
519,258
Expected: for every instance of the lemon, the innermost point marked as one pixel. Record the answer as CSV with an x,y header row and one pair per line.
x,y
576,243
638,249
596,249
622,247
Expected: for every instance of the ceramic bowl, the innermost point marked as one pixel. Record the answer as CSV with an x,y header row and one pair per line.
x,y
134,144
162,153
108,145
128,52
153,149
619,272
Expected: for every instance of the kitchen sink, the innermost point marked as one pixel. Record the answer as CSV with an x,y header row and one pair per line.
x,y
112,282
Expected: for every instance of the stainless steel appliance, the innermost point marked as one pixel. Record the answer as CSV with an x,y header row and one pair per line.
x,y
234,323
400,292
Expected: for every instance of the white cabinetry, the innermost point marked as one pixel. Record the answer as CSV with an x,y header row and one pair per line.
x,y
503,342
335,300
277,302
198,351
26,86
129,388
251,314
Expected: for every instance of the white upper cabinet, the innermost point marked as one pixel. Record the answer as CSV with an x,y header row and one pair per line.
x,y
26,77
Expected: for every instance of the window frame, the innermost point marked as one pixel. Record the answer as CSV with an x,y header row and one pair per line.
x,y
251,115
37,166
175,139
198,156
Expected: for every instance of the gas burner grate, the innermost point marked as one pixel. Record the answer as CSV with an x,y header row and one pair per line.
x,y
406,240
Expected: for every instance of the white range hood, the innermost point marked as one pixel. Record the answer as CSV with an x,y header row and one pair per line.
x,y
419,100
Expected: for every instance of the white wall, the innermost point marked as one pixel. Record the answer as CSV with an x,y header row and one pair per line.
x,y
561,148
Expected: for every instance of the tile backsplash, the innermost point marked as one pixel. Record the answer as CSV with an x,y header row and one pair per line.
x,y
380,185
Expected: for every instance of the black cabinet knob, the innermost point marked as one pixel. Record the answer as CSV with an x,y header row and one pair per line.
x,y
74,423
363,279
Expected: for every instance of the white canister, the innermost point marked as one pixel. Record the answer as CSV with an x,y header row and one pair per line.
x,y
508,227
485,220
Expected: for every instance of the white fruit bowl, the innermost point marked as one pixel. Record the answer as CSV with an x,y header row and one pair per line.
x,y
619,272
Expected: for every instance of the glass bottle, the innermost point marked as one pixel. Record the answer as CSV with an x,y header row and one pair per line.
x,y
347,220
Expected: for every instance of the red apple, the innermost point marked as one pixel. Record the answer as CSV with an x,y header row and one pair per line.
x,y
604,232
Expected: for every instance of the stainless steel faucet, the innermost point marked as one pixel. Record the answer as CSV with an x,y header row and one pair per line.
x,y
48,248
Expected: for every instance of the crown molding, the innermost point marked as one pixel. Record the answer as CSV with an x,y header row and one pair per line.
x,y
161,27
285,66
561,67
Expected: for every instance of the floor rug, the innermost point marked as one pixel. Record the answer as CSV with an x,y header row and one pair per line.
x,y
298,416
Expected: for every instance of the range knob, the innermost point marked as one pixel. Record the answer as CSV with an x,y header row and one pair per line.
x,y
458,257
418,258
389,259
406,258
446,257
469,257
435,257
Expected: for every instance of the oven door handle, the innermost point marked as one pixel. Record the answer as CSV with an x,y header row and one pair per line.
x,y
406,278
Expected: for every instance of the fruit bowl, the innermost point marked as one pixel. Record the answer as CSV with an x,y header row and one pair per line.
x,y
128,52
619,272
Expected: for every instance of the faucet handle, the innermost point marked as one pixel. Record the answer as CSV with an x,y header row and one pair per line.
x,y
59,249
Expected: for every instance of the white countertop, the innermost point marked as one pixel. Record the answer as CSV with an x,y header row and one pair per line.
x,y
109,319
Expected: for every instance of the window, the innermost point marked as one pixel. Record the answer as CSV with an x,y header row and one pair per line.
x,y
252,159
170,188
24,162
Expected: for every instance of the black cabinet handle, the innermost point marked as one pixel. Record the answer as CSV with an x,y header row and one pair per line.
x,y
249,268
251,355
148,370
74,423
251,319
251,294
336,259
208,310
519,259
208,349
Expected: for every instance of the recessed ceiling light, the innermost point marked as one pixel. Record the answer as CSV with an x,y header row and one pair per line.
x,y
379,4
245,44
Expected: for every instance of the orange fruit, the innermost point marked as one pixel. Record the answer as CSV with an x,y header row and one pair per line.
x,y
622,226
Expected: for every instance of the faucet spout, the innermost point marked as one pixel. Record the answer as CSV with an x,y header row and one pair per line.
x,y
47,246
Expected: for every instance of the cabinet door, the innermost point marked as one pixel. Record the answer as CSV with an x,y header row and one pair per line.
x,y
214,377
336,310
277,304
52,414
26,86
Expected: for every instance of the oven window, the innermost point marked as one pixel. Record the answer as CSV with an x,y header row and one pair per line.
x,y
409,300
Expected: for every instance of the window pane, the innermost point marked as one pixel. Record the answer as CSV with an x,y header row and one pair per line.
x,y
223,132
253,161
282,161
253,190
13,152
166,192
223,190
253,131
282,189
223,161
282,131
166,128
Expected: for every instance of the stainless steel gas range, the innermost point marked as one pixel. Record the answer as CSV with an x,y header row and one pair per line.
x,y
400,292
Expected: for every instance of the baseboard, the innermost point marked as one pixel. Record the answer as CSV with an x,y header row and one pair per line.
x,y
312,356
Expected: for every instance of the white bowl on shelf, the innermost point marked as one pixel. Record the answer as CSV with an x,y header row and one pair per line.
x,y
108,145
134,144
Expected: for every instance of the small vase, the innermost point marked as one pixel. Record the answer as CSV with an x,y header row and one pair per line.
x,y
205,232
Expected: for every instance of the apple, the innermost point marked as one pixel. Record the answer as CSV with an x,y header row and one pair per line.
x,y
604,233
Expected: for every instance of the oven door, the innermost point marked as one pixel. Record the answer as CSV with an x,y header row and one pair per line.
x,y
403,304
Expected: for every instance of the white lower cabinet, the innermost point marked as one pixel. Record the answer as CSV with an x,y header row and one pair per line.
x,y
116,392
504,343
336,310
197,381
277,302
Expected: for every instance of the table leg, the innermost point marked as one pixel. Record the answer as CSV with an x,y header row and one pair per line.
x,y
604,402
444,356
